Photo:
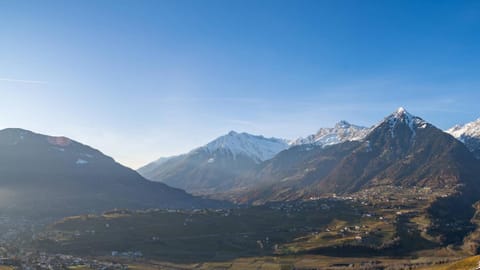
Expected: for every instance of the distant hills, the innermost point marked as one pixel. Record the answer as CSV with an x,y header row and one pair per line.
x,y
46,175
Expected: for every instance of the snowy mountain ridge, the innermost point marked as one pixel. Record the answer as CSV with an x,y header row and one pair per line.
x,y
343,131
469,134
471,129
255,147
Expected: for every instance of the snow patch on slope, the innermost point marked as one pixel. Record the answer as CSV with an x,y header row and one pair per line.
x,y
81,161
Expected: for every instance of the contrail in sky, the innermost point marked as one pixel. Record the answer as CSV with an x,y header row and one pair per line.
x,y
22,81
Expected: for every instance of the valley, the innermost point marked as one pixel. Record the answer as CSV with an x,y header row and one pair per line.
x,y
381,227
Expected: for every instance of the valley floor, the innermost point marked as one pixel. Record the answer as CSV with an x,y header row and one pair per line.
x,y
378,228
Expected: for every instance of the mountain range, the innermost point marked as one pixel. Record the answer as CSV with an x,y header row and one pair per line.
x,y
402,187
217,166
402,150
56,175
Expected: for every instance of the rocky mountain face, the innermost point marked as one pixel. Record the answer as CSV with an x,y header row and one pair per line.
x,y
214,167
469,134
48,175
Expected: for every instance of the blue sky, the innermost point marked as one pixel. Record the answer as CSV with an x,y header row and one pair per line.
x,y
144,79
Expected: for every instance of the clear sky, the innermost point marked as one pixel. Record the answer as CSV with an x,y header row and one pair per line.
x,y
144,79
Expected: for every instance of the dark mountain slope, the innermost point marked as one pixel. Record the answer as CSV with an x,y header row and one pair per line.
x,y
56,175
288,174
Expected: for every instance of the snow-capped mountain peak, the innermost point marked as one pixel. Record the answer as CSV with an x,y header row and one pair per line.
x,y
341,132
401,110
256,147
215,166
471,129
403,116
469,134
